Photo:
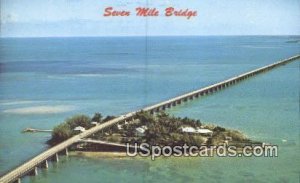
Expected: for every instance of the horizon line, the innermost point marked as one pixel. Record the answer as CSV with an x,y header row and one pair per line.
x,y
212,35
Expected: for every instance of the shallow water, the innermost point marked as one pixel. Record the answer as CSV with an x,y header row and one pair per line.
x,y
85,75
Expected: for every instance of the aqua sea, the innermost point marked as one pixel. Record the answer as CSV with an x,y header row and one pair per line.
x,y
45,80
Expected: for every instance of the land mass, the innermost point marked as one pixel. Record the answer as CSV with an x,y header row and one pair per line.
x,y
161,129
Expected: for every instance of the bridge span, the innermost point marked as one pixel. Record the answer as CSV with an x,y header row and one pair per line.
x,y
41,160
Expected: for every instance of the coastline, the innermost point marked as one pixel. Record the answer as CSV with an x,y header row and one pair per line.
x,y
208,153
99,154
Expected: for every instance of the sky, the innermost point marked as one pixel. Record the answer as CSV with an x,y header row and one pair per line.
x,y
71,18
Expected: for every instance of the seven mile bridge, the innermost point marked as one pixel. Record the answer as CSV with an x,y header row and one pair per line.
x,y
41,160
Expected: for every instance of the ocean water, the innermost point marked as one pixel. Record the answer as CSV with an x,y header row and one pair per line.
x,y
45,80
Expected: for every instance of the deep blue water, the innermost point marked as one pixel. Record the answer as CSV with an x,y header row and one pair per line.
x,y
45,80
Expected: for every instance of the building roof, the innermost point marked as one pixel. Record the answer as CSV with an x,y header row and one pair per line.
x,y
120,127
205,131
188,129
141,129
193,130
79,128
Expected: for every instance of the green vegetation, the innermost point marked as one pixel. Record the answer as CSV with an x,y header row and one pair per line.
x,y
65,130
160,129
163,129
97,117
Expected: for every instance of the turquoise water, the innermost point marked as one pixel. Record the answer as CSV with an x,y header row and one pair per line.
x,y
65,76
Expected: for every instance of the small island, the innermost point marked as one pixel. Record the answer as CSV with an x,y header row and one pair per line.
x,y
161,129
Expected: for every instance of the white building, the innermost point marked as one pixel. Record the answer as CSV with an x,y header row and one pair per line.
x,y
188,129
204,131
140,131
79,128
120,127
94,123
198,130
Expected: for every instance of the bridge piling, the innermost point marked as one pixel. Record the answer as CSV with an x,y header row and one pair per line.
x,y
55,157
66,152
33,172
45,164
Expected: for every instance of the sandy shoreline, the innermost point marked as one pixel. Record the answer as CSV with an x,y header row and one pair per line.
x,y
123,155
91,154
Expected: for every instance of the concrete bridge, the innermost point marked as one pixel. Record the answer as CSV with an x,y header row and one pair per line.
x,y
31,167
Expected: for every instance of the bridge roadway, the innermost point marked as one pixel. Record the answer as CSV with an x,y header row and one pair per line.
x,y
30,167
